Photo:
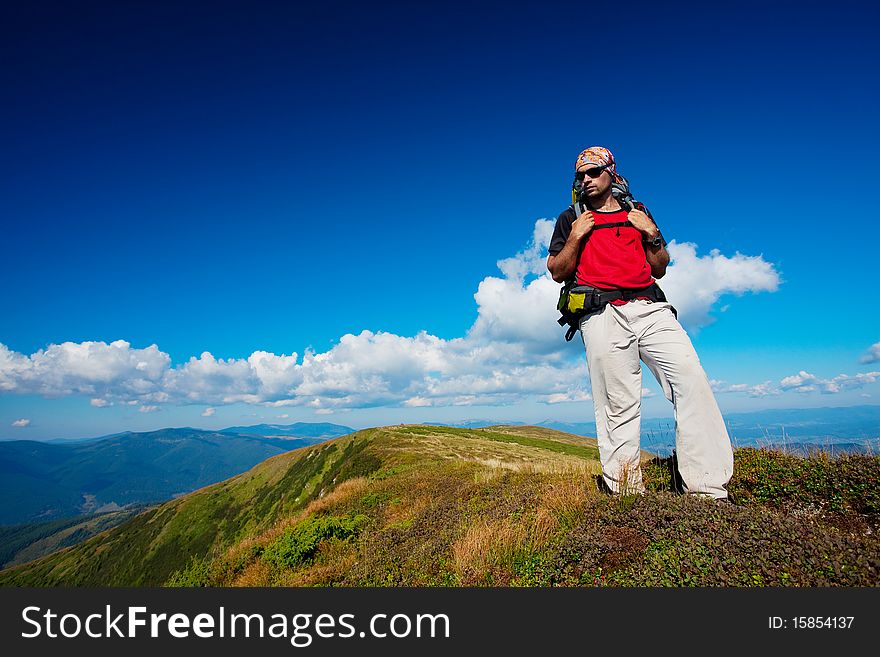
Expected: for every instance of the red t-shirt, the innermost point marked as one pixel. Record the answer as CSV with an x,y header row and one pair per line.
x,y
612,258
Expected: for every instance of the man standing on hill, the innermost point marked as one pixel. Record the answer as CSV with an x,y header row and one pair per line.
x,y
612,245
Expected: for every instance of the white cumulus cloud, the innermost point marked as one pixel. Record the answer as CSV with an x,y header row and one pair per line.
x,y
806,382
803,382
872,355
574,395
85,368
693,284
23,422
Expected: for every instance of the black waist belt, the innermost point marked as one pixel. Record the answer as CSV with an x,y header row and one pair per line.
x,y
652,292
597,299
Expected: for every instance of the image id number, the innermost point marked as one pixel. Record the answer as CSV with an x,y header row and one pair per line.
x,y
811,622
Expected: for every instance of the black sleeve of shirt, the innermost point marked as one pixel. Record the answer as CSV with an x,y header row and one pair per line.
x,y
561,231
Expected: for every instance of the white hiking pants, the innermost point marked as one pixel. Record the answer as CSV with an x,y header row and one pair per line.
x,y
615,339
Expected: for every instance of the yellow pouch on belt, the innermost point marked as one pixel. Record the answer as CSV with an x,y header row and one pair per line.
x,y
574,300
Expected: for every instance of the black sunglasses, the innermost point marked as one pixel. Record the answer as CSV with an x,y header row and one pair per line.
x,y
593,172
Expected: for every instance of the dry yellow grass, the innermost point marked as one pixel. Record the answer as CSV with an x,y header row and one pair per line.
x,y
489,546
344,491
566,497
321,573
489,474
492,453
257,573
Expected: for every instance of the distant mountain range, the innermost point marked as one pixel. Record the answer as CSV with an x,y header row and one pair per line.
x,y
42,481
321,430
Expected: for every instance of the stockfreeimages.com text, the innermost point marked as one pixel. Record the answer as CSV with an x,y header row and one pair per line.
x,y
300,629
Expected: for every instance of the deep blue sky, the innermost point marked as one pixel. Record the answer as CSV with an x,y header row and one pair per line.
x,y
200,176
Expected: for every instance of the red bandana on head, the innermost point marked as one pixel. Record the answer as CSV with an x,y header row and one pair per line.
x,y
600,156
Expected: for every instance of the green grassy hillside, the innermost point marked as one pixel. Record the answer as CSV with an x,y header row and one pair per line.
x,y
24,543
434,506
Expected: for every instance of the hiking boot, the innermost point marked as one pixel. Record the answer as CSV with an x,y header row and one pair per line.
x,y
602,486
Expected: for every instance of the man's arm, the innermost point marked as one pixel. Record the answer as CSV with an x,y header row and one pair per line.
x,y
563,264
657,256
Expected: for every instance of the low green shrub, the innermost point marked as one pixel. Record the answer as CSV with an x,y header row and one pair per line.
x,y
849,483
298,544
197,573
